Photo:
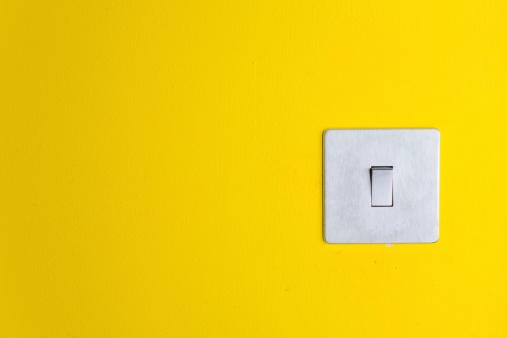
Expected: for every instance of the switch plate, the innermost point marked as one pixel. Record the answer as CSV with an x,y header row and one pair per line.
x,y
350,154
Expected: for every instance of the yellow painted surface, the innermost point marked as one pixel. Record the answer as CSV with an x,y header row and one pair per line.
x,y
161,167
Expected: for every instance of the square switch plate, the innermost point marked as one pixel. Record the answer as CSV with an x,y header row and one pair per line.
x,y
350,155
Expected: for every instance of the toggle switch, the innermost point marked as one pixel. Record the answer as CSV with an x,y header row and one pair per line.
x,y
382,186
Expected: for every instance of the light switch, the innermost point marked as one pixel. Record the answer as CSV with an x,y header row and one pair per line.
x,y
365,203
382,186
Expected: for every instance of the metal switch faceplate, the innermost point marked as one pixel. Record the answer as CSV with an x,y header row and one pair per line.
x,y
381,185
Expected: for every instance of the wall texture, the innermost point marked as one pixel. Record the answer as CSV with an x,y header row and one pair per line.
x,y
161,167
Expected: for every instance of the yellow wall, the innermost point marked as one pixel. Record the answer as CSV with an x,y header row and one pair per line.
x,y
161,167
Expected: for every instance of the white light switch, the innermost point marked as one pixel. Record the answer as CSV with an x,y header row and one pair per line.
x,y
381,186
364,204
